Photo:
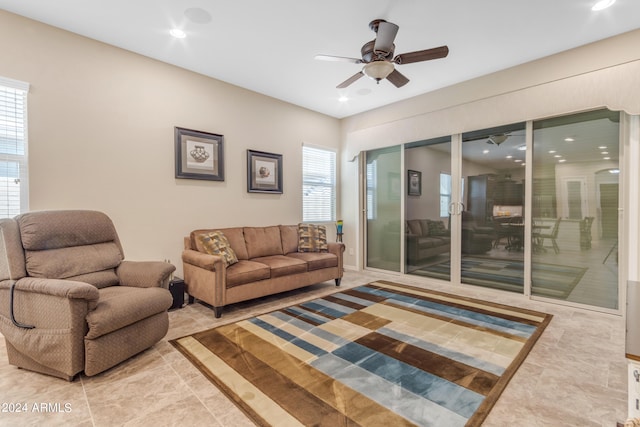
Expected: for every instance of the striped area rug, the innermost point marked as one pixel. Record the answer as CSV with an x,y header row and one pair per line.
x,y
381,354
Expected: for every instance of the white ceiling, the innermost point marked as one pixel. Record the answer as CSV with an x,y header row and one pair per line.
x,y
269,46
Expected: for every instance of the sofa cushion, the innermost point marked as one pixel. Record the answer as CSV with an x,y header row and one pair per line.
x,y
437,228
216,243
424,225
281,265
414,227
60,229
99,279
245,271
430,242
120,306
312,238
289,234
263,241
316,260
54,263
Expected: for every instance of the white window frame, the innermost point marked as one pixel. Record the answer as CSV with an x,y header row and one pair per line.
x,y
14,180
319,184
445,197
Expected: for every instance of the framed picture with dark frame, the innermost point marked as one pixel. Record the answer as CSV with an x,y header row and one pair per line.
x,y
264,172
414,183
199,155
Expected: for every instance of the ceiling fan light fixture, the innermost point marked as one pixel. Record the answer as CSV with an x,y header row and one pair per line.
x,y
497,139
378,70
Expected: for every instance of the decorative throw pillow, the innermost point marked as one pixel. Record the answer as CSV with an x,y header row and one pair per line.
x,y
216,243
312,238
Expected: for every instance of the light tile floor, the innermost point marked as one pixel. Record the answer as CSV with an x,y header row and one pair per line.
x,y
574,376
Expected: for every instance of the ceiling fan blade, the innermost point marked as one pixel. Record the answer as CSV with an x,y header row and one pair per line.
x,y
422,55
397,78
350,80
338,59
385,37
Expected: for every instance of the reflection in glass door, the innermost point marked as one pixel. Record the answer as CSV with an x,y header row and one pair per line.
x,y
575,208
428,234
492,221
383,208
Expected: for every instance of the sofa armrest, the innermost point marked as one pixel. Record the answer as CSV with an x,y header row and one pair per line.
x,y
336,248
144,274
202,260
205,277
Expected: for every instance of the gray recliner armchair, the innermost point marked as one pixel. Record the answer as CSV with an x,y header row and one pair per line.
x,y
68,300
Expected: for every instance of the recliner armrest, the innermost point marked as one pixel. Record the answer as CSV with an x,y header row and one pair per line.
x,y
54,287
144,274
56,312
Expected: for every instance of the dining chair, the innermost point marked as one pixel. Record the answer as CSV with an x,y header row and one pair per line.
x,y
552,235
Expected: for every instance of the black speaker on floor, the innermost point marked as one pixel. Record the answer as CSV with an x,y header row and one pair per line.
x,y
176,287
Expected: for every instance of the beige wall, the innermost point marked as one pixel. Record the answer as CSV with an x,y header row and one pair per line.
x,y
101,123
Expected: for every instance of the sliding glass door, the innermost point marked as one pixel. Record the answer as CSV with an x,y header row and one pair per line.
x,y
428,200
493,221
383,208
575,208
530,208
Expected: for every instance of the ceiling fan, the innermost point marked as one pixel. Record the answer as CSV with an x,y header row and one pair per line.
x,y
377,56
498,139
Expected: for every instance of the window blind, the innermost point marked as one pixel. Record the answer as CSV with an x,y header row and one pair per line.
x,y
318,184
13,147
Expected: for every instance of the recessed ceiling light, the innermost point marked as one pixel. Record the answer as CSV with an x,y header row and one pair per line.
x,y
602,147
343,99
602,4
557,156
178,33
569,139
485,151
606,158
552,151
509,157
604,152
522,148
614,170
518,161
562,160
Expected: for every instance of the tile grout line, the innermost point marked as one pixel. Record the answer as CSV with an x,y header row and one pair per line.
x,y
193,392
86,398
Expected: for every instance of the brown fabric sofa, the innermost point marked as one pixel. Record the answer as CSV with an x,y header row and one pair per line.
x,y
268,262
426,238
68,300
